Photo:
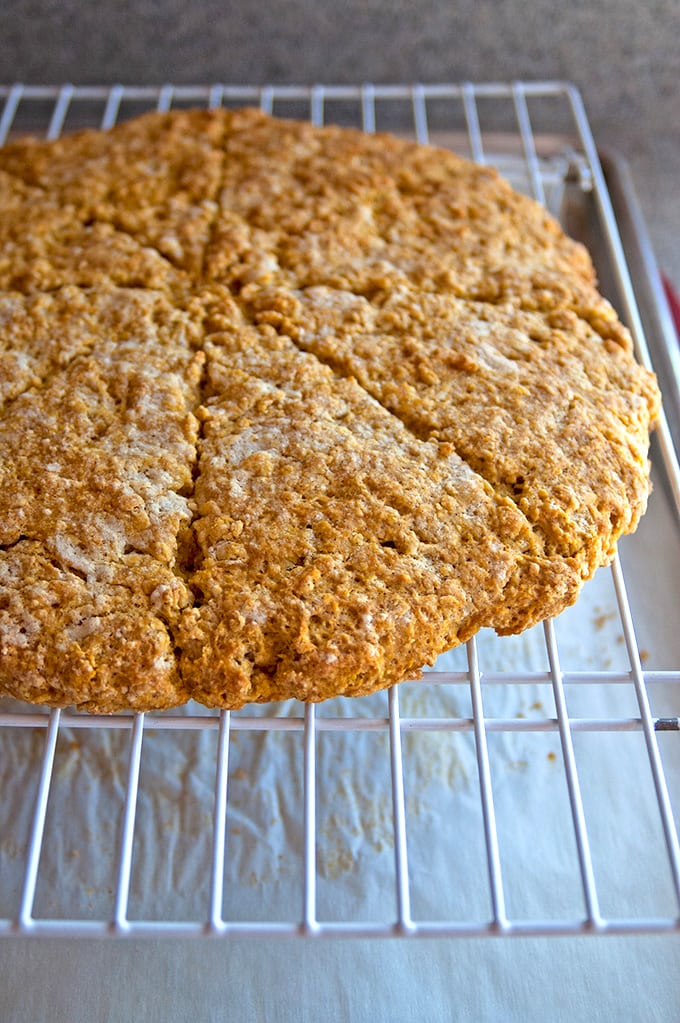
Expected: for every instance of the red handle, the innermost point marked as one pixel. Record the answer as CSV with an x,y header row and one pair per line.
x,y
673,302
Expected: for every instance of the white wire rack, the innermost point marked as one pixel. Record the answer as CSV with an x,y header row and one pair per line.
x,y
442,866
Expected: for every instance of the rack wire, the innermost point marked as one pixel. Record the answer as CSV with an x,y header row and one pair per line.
x,y
465,703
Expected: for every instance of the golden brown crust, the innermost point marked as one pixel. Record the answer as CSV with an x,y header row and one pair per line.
x,y
288,411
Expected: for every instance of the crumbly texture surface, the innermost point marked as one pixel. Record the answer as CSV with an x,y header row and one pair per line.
x,y
287,411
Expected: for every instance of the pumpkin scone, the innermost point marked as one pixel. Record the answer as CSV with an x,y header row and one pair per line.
x,y
96,464
302,206
551,413
45,246
289,411
154,177
335,551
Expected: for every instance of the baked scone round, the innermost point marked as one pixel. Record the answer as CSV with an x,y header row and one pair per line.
x,y
287,411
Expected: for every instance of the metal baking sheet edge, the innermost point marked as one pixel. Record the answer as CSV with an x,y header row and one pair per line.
x,y
664,345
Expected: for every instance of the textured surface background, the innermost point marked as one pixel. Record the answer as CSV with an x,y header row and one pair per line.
x,y
622,54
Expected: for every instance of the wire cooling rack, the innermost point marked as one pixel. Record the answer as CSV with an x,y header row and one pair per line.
x,y
522,787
